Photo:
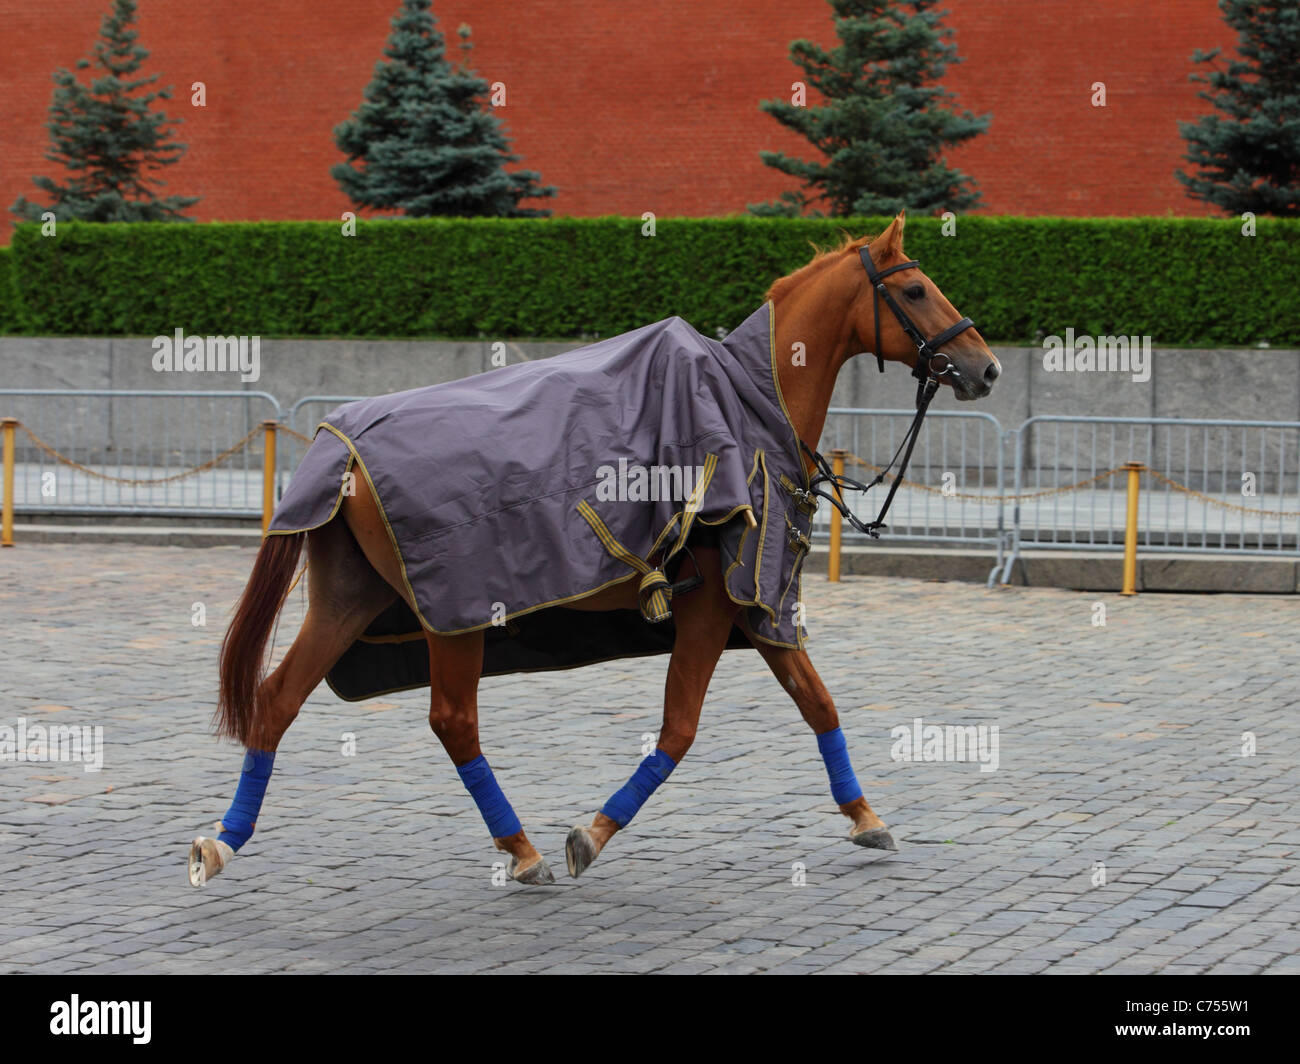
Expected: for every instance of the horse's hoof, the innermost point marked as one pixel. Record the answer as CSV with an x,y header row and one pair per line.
x,y
208,857
535,875
579,851
874,839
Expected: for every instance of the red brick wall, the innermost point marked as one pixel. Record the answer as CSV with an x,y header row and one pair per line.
x,y
634,105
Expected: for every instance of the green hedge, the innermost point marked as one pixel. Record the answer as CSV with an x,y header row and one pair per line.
x,y
11,316
1184,281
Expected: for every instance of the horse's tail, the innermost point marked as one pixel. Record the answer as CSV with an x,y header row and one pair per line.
x,y
243,651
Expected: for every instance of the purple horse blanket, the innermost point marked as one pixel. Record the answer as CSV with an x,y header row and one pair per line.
x,y
513,493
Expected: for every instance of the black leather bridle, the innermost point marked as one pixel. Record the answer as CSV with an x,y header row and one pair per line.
x,y
926,350
928,353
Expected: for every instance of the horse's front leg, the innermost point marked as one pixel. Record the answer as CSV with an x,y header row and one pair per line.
x,y
796,674
703,620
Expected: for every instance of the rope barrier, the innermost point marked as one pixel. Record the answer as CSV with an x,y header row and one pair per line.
x,y
272,429
240,444
139,481
1210,500
296,435
986,497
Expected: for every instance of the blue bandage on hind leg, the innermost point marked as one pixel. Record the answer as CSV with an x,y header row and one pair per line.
x,y
237,824
835,752
628,799
483,788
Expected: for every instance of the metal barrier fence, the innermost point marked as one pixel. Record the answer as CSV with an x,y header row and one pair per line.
x,y
303,418
1053,483
954,489
169,453
1210,486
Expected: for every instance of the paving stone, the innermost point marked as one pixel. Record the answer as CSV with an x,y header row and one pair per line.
x,y
1119,753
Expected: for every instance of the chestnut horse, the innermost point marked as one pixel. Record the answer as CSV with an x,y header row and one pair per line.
x,y
829,307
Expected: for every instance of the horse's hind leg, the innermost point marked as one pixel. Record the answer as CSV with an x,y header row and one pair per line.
x,y
455,665
345,594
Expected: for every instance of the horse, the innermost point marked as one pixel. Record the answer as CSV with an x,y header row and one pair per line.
x,y
826,312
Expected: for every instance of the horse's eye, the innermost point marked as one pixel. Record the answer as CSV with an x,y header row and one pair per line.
x,y
915,292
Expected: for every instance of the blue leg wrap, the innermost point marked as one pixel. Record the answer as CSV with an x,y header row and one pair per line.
x,y
483,788
835,752
628,799
237,824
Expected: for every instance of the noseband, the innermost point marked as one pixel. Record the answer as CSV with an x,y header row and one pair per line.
x,y
928,371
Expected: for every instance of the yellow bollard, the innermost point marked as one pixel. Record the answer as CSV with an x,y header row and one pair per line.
x,y
1135,470
268,472
837,522
7,426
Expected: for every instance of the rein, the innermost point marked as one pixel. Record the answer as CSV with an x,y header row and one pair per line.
x,y
928,353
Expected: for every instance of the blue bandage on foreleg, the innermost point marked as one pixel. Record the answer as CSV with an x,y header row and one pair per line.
x,y
237,824
483,788
628,799
835,752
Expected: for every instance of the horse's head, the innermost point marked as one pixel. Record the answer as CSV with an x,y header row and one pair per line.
x,y
972,367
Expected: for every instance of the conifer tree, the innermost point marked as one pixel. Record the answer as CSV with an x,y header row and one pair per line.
x,y
423,140
109,138
884,123
1247,157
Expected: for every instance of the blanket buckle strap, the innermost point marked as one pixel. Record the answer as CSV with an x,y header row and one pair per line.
x,y
653,594
654,590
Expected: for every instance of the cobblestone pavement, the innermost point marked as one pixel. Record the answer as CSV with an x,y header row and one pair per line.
x,y
1120,752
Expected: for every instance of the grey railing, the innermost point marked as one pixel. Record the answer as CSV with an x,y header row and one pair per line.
x,y
1214,486
303,418
138,451
953,491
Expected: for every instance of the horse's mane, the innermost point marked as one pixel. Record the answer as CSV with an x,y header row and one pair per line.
x,y
824,257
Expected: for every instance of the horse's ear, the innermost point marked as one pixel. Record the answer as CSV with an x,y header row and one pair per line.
x,y
890,242
896,231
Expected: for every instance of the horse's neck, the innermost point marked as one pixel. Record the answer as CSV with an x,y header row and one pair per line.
x,y
827,345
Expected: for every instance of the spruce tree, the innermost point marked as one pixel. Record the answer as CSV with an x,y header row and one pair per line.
x,y
426,141
109,138
883,124
1248,157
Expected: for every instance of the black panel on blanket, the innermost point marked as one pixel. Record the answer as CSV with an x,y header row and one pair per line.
x,y
556,638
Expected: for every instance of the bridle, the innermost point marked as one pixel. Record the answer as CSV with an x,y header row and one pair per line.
x,y
928,353
926,350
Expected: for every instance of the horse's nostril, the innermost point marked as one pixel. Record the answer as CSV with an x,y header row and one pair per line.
x,y
992,373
